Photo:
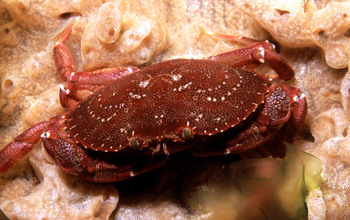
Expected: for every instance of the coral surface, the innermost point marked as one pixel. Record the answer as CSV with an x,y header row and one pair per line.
x,y
313,36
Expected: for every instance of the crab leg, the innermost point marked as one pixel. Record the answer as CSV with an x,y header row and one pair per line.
x,y
235,38
92,80
103,172
20,146
83,84
257,53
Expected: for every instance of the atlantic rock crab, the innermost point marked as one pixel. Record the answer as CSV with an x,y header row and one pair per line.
x,y
132,119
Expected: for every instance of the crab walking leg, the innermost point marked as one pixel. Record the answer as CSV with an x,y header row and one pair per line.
x,y
62,56
20,146
80,85
235,38
256,54
104,172
92,80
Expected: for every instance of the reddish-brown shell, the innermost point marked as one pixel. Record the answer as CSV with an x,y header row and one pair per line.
x,y
160,101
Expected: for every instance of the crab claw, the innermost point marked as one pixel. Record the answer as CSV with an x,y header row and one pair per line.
x,y
276,146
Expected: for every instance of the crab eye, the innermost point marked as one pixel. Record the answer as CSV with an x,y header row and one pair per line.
x,y
186,133
133,143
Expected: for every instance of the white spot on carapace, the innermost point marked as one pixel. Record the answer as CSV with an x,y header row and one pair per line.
x,y
223,98
199,117
132,173
209,98
184,86
144,84
134,96
214,99
217,119
177,77
188,123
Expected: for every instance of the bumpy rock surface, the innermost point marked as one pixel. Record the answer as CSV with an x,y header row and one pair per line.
x,y
314,37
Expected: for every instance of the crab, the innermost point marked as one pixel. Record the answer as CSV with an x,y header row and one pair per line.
x,y
123,121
